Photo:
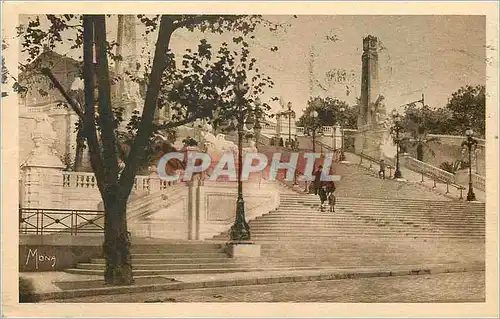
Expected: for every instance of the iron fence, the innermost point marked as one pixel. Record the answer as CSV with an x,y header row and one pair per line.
x,y
60,221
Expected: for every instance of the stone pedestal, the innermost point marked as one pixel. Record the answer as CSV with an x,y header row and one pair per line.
x,y
372,142
243,250
154,180
41,173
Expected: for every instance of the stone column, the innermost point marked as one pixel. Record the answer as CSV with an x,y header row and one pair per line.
x,y
42,171
154,180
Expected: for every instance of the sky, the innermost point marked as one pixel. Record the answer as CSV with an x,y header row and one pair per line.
x,y
431,55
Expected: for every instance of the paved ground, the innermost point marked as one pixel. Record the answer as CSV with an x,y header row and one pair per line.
x,y
452,287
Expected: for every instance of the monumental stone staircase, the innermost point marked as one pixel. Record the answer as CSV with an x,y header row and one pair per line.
x,y
368,206
376,222
299,218
173,258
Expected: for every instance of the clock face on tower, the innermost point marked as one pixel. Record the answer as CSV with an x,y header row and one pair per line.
x,y
365,45
373,43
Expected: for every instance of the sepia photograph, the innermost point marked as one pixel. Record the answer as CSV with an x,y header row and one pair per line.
x,y
251,158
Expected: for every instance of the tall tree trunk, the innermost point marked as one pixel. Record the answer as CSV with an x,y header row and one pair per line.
x,y
116,237
136,156
80,146
420,152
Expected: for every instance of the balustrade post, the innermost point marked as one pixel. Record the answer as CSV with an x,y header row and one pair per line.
x,y
154,180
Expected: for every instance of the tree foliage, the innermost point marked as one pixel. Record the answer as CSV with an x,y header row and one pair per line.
x,y
199,85
329,112
465,109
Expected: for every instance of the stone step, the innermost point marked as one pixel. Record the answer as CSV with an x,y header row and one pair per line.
x,y
381,210
347,217
299,228
153,267
381,230
270,238
394,211
186,271
380,206
360,224
176,248
369,200
180,255
172,260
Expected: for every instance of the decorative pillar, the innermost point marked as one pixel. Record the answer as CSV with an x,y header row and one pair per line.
x,y
42,171
154,180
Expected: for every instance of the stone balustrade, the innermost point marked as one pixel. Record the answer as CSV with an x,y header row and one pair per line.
x,y
325,131
427,169
479,182
88,181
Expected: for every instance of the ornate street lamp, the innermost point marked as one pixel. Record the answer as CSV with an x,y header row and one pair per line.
x,y
396,129
314,116
240,231
289,114
471,144
342,123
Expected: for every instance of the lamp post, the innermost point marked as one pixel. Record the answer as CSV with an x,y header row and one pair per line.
x,y
314,116
240,231
471,144
397,128
342,119
289,114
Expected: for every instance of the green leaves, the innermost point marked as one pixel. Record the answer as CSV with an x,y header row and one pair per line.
x,y
329,112
466,109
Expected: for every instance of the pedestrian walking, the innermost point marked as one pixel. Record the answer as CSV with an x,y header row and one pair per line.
x,y
317,180
381,172
330,190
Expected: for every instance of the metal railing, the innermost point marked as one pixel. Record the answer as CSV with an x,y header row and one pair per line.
x,y
372,160
60,221
425,170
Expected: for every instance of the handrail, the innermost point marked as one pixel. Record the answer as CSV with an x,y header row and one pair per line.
x,y
435,178
427,169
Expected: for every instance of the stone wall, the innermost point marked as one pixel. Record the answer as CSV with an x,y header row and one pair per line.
x,y
56,252
449,149
197,212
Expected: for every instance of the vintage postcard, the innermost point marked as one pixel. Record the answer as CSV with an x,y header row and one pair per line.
x,y
250,159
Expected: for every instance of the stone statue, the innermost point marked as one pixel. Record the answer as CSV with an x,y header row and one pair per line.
x,y
379,112
44,138
216,145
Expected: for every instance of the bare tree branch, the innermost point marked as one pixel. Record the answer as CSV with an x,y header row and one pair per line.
x,y
74,105
150,104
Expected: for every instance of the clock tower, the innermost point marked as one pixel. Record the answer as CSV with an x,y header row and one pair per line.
x,y
369,80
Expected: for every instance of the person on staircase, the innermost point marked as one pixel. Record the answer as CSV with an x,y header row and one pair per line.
x,y
330,190
317,180
381,172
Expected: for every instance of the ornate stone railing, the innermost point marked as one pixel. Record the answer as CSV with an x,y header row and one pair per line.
x,y
479,182
88,180
325,131
427,169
